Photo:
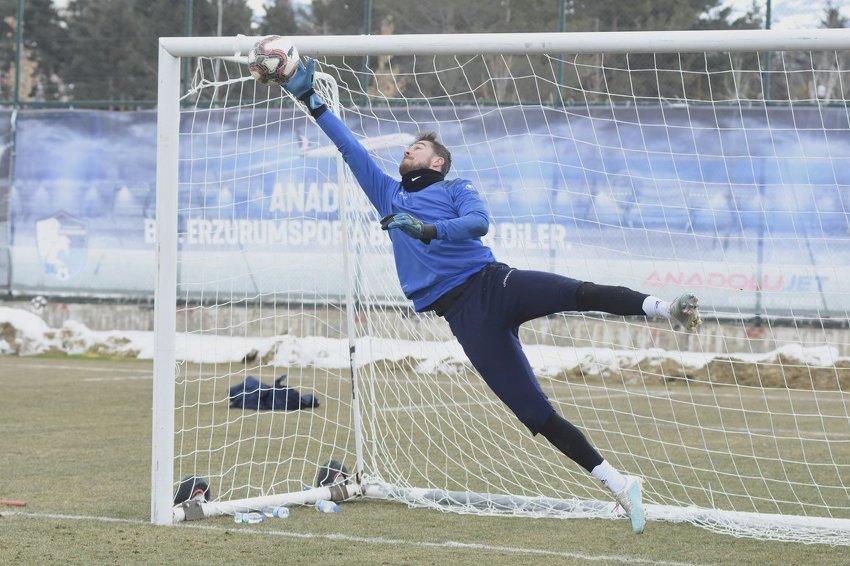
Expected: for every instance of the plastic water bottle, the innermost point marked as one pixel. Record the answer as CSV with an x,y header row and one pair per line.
x,y
280,512
325,506
249,517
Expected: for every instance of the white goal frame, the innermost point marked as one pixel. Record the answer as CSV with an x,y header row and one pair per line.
x,y
172,49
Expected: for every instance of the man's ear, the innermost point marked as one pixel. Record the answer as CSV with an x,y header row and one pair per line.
x,y
437,163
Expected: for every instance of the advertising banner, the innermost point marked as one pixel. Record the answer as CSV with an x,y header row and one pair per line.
x,y
5,188
84,183
747,207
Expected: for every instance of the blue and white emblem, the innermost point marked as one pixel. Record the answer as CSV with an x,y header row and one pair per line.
x,y
62,245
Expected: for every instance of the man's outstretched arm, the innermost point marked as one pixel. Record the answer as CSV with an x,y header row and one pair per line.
x,y
374,182
472,220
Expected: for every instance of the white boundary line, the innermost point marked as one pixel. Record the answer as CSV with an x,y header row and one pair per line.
x,y
147,377
94,369
338,537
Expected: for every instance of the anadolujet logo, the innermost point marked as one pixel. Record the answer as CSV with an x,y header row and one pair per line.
x,y
736,280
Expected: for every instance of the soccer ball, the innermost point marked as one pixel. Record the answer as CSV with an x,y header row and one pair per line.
x,y
38,304
273,60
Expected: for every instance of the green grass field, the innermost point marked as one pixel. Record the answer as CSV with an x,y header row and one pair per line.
x,y
76,448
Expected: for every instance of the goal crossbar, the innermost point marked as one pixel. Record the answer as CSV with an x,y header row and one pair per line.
x,y
531,43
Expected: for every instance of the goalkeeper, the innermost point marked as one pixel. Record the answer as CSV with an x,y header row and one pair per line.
x,y
436,226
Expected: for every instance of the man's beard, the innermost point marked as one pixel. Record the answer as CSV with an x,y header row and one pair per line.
x,y
408,165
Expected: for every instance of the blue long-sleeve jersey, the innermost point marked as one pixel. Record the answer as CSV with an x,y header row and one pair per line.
x,y
425,272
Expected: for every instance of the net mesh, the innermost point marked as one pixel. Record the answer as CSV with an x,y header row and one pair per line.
x,y
719,173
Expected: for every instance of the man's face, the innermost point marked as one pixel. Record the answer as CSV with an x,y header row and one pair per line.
x,y
420,155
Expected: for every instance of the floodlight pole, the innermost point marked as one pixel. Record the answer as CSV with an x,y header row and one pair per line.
x,y
19,48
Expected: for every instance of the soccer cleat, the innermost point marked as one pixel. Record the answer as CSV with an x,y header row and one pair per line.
x,y
630,498
685,310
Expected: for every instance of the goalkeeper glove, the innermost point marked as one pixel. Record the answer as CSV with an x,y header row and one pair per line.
x,y
300,85
411,226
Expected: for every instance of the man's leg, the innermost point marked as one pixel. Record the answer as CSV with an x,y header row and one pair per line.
x,y
627,490
614,299
623,301
527,295
497,355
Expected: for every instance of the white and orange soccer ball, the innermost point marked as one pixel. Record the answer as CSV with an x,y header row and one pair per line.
x,y
273,60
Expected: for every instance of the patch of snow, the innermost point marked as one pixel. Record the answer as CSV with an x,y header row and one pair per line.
x,y
24,333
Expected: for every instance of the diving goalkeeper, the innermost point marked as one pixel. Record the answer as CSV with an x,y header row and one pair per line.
x,y
435,226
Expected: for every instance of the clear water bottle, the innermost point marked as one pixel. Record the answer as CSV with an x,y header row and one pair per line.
x,y
280,512
325,506
250,517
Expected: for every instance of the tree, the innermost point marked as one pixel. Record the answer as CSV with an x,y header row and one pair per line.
x,y
826,85
280,19
436,16
112,55
235,17
337,17
586,73
643,15
832,17
647,73
113,44
44,50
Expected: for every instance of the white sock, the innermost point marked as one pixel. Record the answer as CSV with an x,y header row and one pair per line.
x,y
610,478
655,307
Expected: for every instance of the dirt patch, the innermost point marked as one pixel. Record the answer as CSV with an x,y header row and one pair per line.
x,y
782,372
115,347
9,335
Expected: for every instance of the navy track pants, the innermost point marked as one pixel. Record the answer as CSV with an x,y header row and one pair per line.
x,y
485,319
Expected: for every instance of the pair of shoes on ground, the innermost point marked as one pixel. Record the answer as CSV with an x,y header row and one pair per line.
x,y
685,310
630,498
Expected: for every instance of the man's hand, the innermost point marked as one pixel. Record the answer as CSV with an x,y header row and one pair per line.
x,y
301,85
301,82
411,226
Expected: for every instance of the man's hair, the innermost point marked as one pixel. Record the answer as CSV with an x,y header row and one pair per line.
x,y
439,149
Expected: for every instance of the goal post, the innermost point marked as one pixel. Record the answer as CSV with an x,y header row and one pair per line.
x,y
661,161
168,145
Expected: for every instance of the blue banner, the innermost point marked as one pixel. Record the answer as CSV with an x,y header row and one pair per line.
x,y
5,188
748,207
83,184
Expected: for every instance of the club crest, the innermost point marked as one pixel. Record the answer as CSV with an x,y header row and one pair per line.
x,y
62,243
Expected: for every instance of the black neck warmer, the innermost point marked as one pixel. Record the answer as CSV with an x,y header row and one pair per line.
x,y
417,180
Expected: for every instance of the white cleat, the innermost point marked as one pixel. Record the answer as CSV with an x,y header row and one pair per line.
x,y
685,310
630,498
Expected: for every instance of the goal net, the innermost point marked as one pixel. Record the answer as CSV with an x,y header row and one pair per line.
x,y
671,161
